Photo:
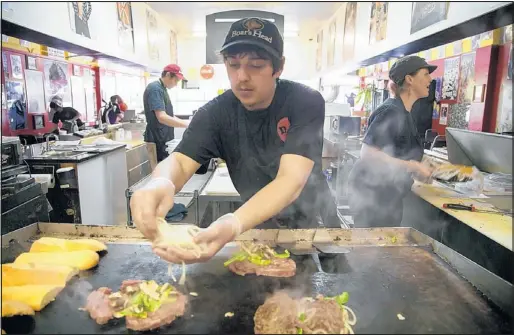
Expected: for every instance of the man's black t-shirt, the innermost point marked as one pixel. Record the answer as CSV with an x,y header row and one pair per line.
x,y
376,189
252,142
66,114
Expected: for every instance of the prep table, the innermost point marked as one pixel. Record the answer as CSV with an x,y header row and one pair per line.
x,y
388,271
219,189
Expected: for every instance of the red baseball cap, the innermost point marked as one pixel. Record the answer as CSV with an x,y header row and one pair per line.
x,y
175,69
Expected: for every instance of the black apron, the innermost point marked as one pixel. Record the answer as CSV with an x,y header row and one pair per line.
x,y
376,199
257,176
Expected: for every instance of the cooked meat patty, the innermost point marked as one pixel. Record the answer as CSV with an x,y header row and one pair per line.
x,y
321,317
279,267
278,315
102,306
98,305
163,316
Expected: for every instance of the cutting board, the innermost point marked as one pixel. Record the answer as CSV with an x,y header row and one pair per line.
x,y
496,227
221,184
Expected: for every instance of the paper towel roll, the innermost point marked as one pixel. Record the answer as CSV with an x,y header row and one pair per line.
x,y
41,178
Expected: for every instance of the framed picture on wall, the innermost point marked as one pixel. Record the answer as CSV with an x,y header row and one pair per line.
x,y
479,93
39,121
152,32
173,47
331,46
450,78
125,26
76,70
425,14
35,92
16,67
443,114
80,13
319,50
5,66
378,22
349,31
31,63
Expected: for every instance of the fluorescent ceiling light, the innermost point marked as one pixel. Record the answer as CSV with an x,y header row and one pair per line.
x,y
234,20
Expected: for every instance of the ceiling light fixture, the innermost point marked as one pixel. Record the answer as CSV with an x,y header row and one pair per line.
x,y
234,20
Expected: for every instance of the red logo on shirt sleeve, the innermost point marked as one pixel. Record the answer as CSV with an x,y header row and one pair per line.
x,y
282,128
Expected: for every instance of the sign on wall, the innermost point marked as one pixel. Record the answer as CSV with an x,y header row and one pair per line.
x,y
378,22
125,26
207,72
425,14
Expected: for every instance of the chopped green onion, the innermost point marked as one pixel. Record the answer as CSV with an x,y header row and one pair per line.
x,y
299,330
342,298
302,317
286,254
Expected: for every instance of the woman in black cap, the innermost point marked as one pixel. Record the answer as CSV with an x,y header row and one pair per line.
x,y
391,151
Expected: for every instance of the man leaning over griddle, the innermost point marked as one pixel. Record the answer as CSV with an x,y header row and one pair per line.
x,y
269,131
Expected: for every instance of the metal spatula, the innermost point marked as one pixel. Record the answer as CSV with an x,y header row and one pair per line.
x,y
326,244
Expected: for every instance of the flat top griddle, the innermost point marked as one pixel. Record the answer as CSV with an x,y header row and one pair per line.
x,y
382,281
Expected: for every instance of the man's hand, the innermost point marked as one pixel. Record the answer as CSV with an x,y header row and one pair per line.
x,y
152,202
421,172
211,240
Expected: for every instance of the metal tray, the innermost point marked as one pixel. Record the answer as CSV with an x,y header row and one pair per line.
x,y
387,272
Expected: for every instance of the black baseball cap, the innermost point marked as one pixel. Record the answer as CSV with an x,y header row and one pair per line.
x,y
408,65
254,31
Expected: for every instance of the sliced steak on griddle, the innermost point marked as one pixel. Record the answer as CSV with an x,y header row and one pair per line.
x,y
98,305
279,267
278,315
321,316
161,317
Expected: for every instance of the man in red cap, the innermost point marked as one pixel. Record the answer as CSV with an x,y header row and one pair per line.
x,y
160,121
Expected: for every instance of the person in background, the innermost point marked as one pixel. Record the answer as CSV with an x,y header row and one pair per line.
x,y
160,120
60,113
391,151
269,131
113,112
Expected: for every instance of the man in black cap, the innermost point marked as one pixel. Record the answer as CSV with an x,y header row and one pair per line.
x,y
391,151
270,133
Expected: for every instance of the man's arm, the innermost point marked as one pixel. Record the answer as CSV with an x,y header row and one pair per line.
x,y
178,168
373,153
292,176
170,121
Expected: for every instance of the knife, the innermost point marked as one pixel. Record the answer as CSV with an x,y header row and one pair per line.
x,y
474,209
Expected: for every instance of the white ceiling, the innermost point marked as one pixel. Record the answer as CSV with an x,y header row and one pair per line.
x,y
304,17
